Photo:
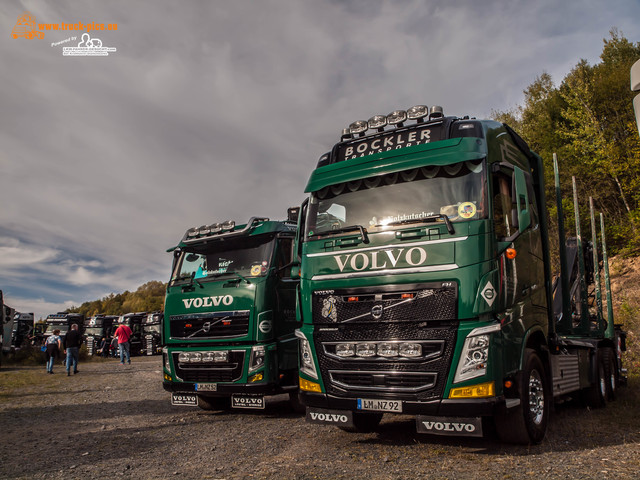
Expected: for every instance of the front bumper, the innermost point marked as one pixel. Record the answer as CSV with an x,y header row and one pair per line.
x,y
230,389
476,407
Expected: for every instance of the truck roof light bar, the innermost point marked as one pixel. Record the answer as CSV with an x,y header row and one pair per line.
x,y
218,229
346,134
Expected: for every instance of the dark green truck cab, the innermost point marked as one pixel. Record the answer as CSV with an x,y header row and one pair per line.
x,y
229,316
426,286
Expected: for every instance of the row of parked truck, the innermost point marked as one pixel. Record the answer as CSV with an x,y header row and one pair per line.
x,y
20,329
416,278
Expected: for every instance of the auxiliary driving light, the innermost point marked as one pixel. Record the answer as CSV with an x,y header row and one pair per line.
x,y
377,121
366,349
397,117
204,230
228,225
359,126
345,350
417,112
192,232
216,228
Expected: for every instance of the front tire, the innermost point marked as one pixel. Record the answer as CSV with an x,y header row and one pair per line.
x,y
527,423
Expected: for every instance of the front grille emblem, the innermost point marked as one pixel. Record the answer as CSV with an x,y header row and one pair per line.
x,y
376,312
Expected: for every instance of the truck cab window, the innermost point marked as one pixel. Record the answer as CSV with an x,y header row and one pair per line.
x,y
504,205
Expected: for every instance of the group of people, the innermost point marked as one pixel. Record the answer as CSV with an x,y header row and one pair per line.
x,y
70,346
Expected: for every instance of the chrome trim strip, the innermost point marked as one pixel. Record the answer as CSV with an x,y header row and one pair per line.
x,y
389,271
387,247
378,388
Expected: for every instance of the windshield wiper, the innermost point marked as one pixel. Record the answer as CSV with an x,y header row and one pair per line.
x,y
435,216
363,231
188,276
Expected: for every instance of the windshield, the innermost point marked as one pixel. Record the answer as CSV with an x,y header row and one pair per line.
x,y
245,257
50,328
151,329
421,194
97,331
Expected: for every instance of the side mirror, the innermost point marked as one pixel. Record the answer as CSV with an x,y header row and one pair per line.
x,y
295,270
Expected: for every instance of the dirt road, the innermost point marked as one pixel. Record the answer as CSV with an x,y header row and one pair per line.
x,y
113,421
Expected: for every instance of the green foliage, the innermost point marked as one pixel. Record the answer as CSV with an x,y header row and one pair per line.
x,y
147,298
588,121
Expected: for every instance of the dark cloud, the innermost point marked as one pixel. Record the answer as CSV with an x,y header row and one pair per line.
x,y
219,110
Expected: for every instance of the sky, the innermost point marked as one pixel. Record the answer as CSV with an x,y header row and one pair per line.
x,y
204,111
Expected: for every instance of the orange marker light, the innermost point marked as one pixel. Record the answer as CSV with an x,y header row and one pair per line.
x,y
352,299
407,295
511,253
508,384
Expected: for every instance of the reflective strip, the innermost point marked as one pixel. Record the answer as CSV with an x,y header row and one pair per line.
x,y
391,271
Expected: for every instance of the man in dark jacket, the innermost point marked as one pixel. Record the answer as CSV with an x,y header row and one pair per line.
x,y
72,343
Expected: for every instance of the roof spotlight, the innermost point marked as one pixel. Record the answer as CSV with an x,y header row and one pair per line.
x,y
204,230
192,232
345,134
436,112
397,117
228,225
359,126
417,112
215,228
377,122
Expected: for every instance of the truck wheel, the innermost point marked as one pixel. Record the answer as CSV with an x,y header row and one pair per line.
x,y
611,372
596,394
364,422
214,403
527,423
294,402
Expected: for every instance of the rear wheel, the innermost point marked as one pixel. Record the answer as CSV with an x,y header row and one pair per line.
x,y
596,394
611,372
364,422
214,403
527,423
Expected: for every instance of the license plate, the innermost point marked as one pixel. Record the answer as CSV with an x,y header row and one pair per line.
x,y
380,405
247,401
206,387
184,399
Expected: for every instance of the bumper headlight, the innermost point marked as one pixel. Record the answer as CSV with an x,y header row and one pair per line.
x,y
165,358
475,354
307,364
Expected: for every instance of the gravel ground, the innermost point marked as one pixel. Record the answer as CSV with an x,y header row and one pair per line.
x,y
117,421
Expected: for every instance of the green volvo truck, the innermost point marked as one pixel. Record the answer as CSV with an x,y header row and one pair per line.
x,y
229,316
426,287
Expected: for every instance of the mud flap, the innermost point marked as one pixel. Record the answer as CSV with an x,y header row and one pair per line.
x,y
337,418
457,426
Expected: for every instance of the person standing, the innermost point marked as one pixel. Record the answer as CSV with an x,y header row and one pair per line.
x,y
53,346
72,342
123,334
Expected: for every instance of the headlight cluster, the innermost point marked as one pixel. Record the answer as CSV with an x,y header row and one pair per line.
x,y
475,354
382,349
307,365
165,358
216,356
257,358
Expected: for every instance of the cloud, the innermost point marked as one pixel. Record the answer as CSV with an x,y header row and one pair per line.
x,y
219,110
